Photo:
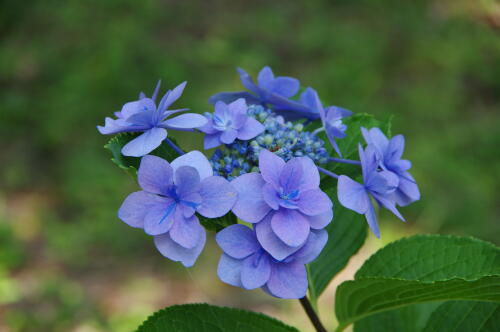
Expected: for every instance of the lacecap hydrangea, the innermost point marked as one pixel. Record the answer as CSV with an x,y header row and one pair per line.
x,y
266,182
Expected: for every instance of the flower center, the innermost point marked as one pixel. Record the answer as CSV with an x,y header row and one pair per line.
x,y
289,196
221,124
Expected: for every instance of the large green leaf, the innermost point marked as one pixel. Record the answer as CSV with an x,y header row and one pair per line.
x,y
450,316
346,234
421,269
208,318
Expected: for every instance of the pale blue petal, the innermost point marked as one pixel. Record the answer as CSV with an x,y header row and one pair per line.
x,y
353,195
250,205
218,197
194,159
291,227
237,241
175,252
145,143
186,232
155,175
256,270
288,281
270,166
270,242
229,270
136,206
314,202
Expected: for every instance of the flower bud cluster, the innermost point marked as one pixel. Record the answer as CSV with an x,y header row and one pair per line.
x,y
285,138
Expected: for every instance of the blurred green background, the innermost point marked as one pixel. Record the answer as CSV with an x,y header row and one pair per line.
x,y
68,264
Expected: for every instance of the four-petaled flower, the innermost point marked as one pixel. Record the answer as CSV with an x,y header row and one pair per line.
x,y
284,200
172,194
390,153
143,116
230,122
245,263
377,183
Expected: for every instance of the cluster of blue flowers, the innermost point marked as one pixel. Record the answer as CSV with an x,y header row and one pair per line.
x,y
265,170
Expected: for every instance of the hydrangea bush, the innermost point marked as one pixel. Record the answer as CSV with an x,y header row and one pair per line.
x,y
283,184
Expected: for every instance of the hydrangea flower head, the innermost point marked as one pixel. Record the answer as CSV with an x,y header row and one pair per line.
x,y
390,153
377,184
144,116
171,195
245,263
284,200
228,123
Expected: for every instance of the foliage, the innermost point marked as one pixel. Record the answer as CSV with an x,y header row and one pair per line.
x,y
209,318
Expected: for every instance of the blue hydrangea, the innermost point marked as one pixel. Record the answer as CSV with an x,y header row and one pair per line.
x,y
284,138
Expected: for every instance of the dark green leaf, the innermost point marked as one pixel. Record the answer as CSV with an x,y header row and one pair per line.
x,y
421,269
208,318
217,224
346,234
457,316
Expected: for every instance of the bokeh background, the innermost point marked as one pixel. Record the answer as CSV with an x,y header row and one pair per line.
x,y
68,264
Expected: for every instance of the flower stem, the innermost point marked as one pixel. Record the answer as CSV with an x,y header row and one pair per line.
x,y
327,172
175,147
312,314
344,161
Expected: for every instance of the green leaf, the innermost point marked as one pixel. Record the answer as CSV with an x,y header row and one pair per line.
x,y
217,224
411,318
346,234
131,164
208,318
450,316
421,269
456,316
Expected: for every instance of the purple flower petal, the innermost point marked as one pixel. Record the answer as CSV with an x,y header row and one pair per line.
x,y
155,175
175,252
291,227
353,195
375,137
255,271
271,196
265,78
208,128
218,197
136,206
288,281
314,202
312,248
371,218
229,270
135,107
194,159
237,241
171,96
251,129
160,217
286,86
291,176
321,220
250,205
407,191
270,166
270,242
211,141
310,178
187,180
186,232
229,97
228,136
145,143
185,121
